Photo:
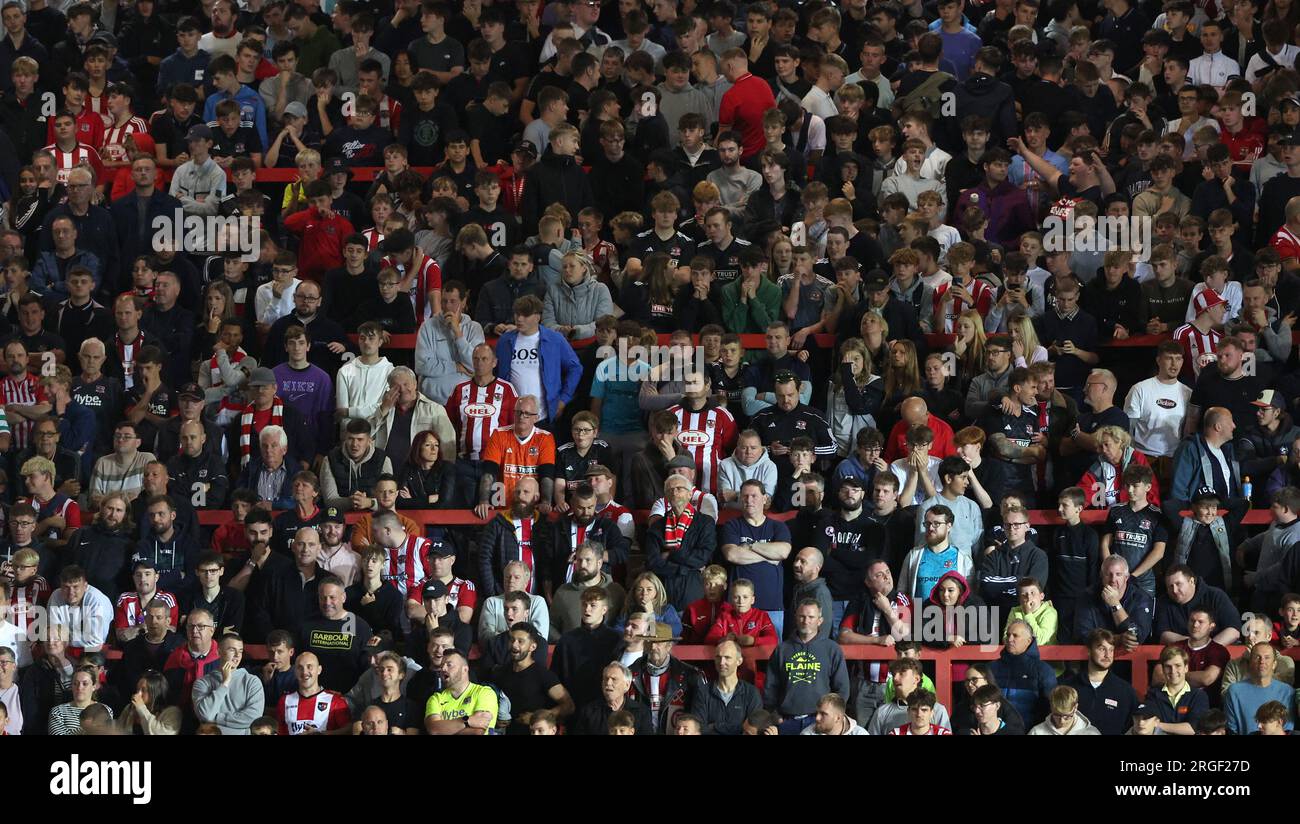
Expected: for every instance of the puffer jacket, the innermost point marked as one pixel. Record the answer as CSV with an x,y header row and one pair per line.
x,y
577,306
1257,450
498,546
1026,681
555,179
341,476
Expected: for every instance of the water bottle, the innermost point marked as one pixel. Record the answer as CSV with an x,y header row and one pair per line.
x,y
1246,487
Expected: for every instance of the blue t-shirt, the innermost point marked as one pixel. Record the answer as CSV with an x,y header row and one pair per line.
x,y
960,48
932,567
769,579
618,385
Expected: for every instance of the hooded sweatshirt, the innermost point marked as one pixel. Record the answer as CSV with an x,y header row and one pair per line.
x,y
361,386
674,104
578,305
1026,681
554,179
954,622
1257,450
1081,726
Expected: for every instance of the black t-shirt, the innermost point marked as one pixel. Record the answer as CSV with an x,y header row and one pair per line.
x,y
1237,396
423,133
527,690
1018,428
162,403
726,262
1133,534
402,713
343,655
509,64
849,546
242,143
501,227
358,147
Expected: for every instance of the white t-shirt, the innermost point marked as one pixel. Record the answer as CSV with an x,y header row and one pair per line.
x,y
819,103
935,281
1155,411
526,367
1217,454
902,469
1231,293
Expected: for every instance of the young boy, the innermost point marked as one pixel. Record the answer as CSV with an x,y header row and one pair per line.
x,y
309,166
114,153
360,142
490,126
322,232
1034,610
815,197
1287,628
392,310
252,111
726,377
804,297
695,159
231,139
750,625
918,473
423,126
964,292
1272,718
199,183
920,711
1135,530
1214,275
274,299
503,231
89,125
1074,556
930,206
790,481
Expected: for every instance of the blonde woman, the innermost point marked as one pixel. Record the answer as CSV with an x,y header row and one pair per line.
x,y
969,345
1103,484
647,594
573,304
854,396
1025,347
875,335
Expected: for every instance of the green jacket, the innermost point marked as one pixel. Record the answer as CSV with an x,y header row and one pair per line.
x,y
754,316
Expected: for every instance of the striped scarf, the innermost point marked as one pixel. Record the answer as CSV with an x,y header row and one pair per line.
x,y
246,427
675,527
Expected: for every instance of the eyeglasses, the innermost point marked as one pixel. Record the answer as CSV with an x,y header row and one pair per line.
x,y
586,430
24,523
524,414
308,299
935,524
202,627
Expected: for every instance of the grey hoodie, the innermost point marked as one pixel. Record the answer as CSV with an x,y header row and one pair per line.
x,y
437,353
577,306
819,591
1081,726
675,104
192,181
799,674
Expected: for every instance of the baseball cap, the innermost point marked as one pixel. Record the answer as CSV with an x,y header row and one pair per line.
x,y
262,376
1270,397
295,109
334,515
524,147
1205,494
443,549
876,281
433,590
682,462
143,563
198,131
190,390
1207,300
1144,711
336,166
1291,99
851,480
105,37
1292,139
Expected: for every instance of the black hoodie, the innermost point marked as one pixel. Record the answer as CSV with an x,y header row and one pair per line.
x,y
555,179
988,97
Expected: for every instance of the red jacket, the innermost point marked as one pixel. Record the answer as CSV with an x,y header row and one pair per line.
x,y
699,619
756,622
321,248
183,669
896,445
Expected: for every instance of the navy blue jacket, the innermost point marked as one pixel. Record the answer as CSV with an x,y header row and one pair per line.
x,y
1092,613
1026,680
1109,706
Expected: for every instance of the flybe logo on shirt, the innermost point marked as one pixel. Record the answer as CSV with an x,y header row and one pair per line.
x,y
803,668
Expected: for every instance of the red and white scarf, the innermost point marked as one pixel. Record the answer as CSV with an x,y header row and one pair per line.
x,y
675,527
246,427
214,371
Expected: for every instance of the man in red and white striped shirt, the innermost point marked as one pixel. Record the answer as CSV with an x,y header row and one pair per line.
x,y
951,299
69,152
310,708
481,405
406,553
23,396
124,123
1201,337
1287,238
128,613
708,431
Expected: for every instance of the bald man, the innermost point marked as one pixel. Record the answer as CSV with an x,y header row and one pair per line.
x,y
1207,459
312,709
915,413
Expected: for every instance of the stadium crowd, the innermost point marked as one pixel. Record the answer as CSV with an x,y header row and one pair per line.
x,y
1001,257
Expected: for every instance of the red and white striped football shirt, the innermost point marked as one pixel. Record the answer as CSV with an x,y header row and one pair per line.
x,y
709,435
322,711
524,537
945,319
478,411
373,238
406,565
390,114
115,138
1196,343
461,593
428,277
24,391
1286,242
23,604
129,611
65,162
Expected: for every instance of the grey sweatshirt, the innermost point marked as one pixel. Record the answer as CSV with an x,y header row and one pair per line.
x,y
675,104
233,707
577,306
193,181
817,589
799,674
437,353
